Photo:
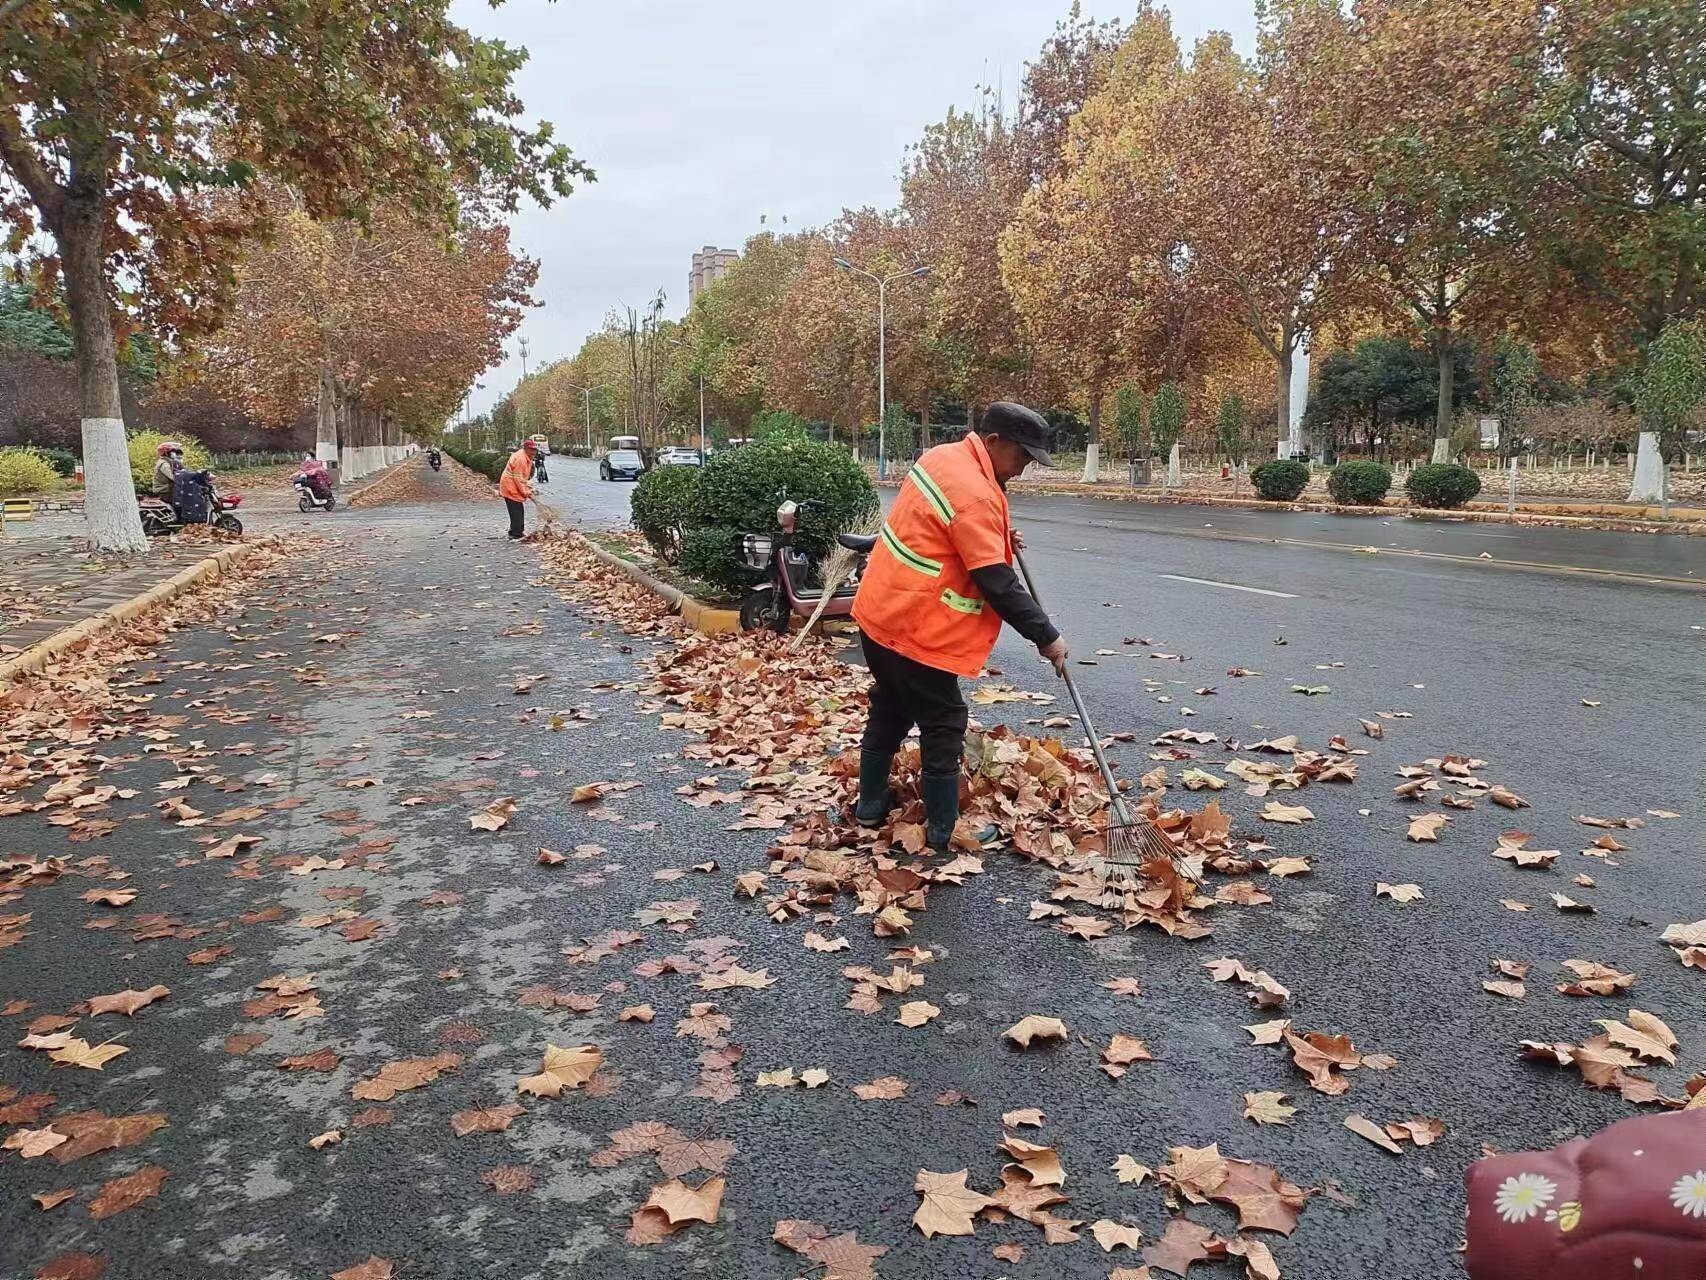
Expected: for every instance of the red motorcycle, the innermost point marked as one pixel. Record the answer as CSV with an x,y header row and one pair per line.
x,y
783,592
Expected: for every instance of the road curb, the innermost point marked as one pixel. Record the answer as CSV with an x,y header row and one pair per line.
x,y
696,614
37,656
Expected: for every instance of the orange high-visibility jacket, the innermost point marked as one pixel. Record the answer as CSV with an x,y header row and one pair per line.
x,y
917,596
518,472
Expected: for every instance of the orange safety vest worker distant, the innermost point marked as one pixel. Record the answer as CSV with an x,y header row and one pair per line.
x,y
516,486
939,585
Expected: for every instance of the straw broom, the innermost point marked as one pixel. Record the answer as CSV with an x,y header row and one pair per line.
x,y
837,565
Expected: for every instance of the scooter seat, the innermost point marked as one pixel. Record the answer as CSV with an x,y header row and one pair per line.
x,y
857,541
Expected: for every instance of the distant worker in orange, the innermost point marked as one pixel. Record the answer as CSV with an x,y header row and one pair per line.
x,y
516,486
939,585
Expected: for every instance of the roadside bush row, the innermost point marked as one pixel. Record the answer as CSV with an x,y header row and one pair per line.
x,y
488,462
695,516
1439,485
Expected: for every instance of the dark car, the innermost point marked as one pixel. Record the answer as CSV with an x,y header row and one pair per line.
x,y
621,464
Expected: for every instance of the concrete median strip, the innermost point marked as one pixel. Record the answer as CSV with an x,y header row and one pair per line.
x,y
695,613
37,656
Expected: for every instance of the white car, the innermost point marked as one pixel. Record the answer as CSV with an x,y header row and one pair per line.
x,y
680,457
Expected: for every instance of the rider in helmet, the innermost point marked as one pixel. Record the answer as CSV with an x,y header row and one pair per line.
x,y
169,455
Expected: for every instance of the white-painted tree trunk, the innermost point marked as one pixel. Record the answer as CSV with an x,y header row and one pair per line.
x,y
1173,473
109,493
1092,463
1442,449
1648,482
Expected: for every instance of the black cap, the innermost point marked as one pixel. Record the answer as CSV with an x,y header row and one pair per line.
x,y
1024,427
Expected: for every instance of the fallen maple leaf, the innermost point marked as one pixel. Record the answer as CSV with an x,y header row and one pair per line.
x,y
495,816
1194,1171
1112,1235
947,1205
127,1192
1041,1164
404,1075
375,1268
680,1203
484,1119
53,1199
1183,1243
1509,799
79,1053
563,1069
1265,1201
1423,1131
1427,827
1035,1027
1026,1116
1398,892
1363,1127
1268,1108
326,1139
1292,814
30,1143
1128,1170
915,1013
882,1089
1648,1036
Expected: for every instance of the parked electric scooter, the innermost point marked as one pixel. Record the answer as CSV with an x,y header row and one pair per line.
x,y
782,593
160,518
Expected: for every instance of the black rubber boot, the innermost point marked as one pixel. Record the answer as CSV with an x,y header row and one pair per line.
x,y
875,798
941,808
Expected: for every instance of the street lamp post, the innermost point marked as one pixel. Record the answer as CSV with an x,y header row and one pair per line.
x,y
883,283
702,454
587,393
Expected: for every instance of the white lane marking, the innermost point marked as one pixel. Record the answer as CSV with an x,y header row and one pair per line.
x,y
1230,586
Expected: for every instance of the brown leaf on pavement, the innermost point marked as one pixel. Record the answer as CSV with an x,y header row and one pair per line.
x,y
495,816
1423,1131
127,1002
1112,1235
1035,1027
375,1268
1427,827
1363,1127
842,1256
1130,1171
127,1192
1268,1107
1509,799
53,1199
319,1060
1265,1201
1025,1116
947,1205
29,1143
402,1076
1398,892
1014,1253
1041,1164
485,1119
1124,986
1595,979
75,1265
509,1179
1194,1171
1646,1035
1183,1243
680,1203
882,1089
563,1069
915,1013
636,1013
326,1139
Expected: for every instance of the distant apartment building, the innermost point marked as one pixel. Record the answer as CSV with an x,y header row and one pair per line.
x,y
710,265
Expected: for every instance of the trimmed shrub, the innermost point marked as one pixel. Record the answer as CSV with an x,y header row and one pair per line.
x,y
742,488
711,553
1280,480
24,471
63,461
488,462
662,506
1358,484
1442,485
142,456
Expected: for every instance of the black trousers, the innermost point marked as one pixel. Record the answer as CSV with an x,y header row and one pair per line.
x,y
907,693
517,517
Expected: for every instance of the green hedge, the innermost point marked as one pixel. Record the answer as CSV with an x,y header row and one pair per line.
x,y
711,553
662,505
488,462
1442,485
741,489
1280,480
63,461
1358,484
25,471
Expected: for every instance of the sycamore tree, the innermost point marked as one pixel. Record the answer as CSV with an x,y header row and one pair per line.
x,y
1612,154
1252,183
116,118
730,333
1411,110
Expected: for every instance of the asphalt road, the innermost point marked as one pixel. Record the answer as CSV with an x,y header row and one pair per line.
x,y
451,657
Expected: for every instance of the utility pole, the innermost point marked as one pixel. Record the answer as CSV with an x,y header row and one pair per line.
x,y
883,283
522,343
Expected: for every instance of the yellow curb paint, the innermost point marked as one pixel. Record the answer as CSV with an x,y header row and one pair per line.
x,y
38,655
701,617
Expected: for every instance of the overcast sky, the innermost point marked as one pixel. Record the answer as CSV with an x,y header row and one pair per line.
x,y
700,118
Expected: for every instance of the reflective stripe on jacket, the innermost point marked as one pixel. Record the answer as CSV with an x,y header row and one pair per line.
x,y
518,471
917,596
